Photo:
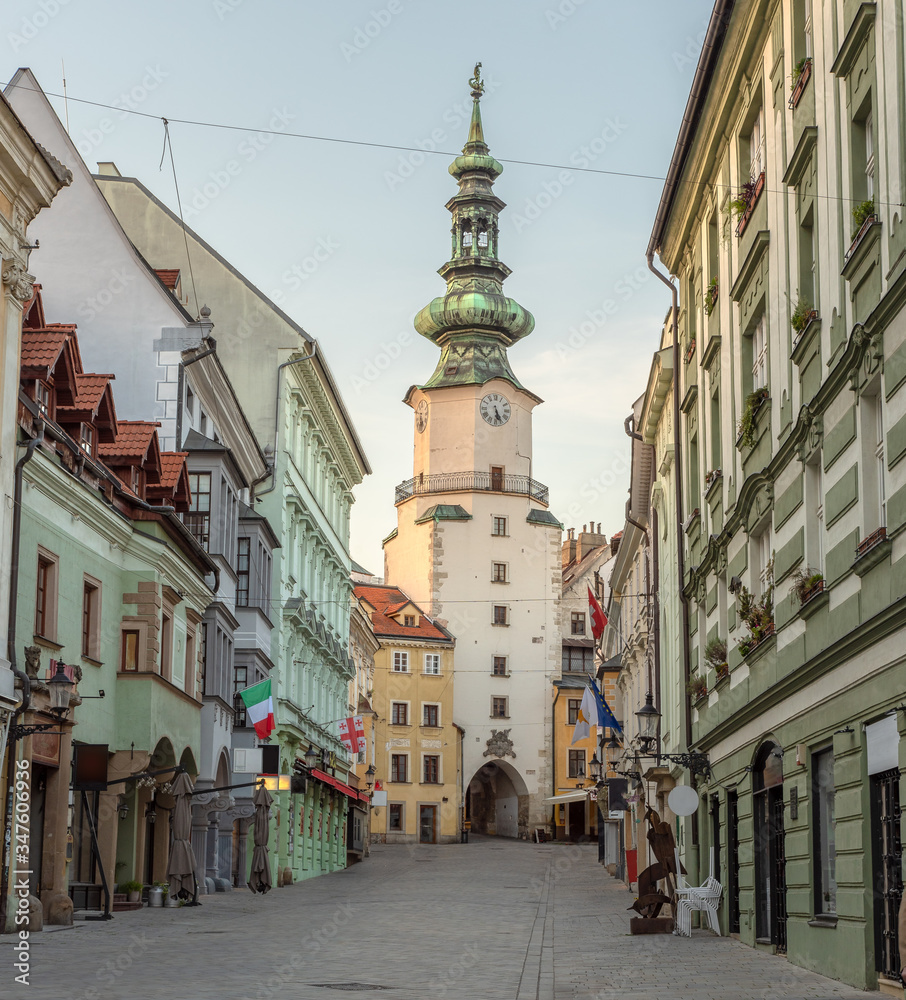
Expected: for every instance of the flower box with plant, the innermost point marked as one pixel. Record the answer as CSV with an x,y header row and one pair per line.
x,y
690,351
746,429
863,217
711,478
757,614
802,72
132,889
742,206
711,296
803,314
807,583
716,657
697,687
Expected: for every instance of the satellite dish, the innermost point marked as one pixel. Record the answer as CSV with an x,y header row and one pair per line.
x,y
683,800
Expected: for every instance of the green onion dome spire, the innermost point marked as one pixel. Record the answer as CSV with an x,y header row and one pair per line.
x,y
474,322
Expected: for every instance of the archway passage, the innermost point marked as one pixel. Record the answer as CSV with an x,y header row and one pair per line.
x,y
498,801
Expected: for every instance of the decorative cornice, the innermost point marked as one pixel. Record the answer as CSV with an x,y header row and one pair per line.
x,y
855,38
19,281
750,264
801,156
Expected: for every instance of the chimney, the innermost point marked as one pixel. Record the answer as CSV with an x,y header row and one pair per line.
x,y
590,540
568,552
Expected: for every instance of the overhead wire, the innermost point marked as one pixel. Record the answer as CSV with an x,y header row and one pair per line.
x,y
397,147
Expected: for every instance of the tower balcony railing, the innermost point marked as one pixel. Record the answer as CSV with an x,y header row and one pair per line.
x,y
458,482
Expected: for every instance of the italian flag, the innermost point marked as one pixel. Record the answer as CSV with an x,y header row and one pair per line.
x,y
260,706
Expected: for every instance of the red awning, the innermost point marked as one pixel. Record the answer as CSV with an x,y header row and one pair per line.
x,y
341,786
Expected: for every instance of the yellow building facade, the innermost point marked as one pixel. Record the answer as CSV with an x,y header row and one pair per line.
x,y
417,745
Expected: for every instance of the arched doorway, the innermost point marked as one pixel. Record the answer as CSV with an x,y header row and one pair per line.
x,y
497,800
770,853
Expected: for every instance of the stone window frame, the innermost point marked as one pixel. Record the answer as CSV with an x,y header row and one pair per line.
x,y
50,561
406,714
141,628
574,757
401,807
439,757
438,724
394,768
91,642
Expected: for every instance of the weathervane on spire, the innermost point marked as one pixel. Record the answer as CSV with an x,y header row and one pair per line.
x,y
476,83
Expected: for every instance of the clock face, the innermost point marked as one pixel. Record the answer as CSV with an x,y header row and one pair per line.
x,y
421,416
495,409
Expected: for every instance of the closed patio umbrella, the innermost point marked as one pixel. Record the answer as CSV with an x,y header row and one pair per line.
x,y
181,865
260,876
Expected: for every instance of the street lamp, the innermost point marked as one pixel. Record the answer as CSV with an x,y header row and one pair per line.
x,y
649,719
311,756
60,687
594,768
612,753
369,775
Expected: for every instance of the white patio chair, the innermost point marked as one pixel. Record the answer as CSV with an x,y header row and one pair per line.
x,y
703,898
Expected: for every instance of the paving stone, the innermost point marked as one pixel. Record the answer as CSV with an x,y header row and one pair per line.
x,y
489,920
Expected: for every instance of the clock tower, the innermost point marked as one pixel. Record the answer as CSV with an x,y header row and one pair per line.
x,y
475,541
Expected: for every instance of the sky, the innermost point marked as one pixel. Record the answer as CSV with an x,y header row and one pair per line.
x,y
348,236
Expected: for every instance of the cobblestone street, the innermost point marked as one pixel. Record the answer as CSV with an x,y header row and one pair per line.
x,y
491,920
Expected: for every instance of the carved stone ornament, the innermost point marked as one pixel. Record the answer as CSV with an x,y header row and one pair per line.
x,y
500,744
814,433
32,661
21,283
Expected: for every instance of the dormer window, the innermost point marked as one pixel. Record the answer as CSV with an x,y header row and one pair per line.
x,y
86,439
136,480
409,621
42,397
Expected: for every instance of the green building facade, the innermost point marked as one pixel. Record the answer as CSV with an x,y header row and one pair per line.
x,y
781,221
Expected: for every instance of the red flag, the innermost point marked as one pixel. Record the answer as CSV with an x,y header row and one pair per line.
x,y
596,613
352,733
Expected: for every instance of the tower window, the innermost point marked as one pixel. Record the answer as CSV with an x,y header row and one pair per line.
x,y
467,237
482,234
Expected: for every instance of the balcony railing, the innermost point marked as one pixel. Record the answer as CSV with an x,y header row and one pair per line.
x,y
460,482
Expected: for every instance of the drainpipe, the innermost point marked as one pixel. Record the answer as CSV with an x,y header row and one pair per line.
x,y
292,361
554,805
23,678
678,489
14,558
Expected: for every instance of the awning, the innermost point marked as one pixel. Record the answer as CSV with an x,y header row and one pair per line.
x,y
576,796
340,786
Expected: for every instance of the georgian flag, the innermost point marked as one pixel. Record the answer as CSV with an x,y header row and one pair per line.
x,y
597,616
352,733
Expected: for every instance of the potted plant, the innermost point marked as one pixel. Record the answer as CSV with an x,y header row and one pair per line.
x,y
711,296
862,213
711,478
803,314
132,889
697,687
716,657
807,583
746,429
756,613
798,70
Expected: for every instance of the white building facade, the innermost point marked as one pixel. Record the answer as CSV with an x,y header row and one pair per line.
x,y
475,541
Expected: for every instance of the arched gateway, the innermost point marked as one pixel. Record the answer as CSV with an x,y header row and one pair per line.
x,y
497,800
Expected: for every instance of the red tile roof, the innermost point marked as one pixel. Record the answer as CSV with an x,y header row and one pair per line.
x,y
133,440
169,276
171,465
384,599
90,389
41,348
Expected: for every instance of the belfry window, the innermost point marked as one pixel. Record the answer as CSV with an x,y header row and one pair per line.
x,y
467,237
483,234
